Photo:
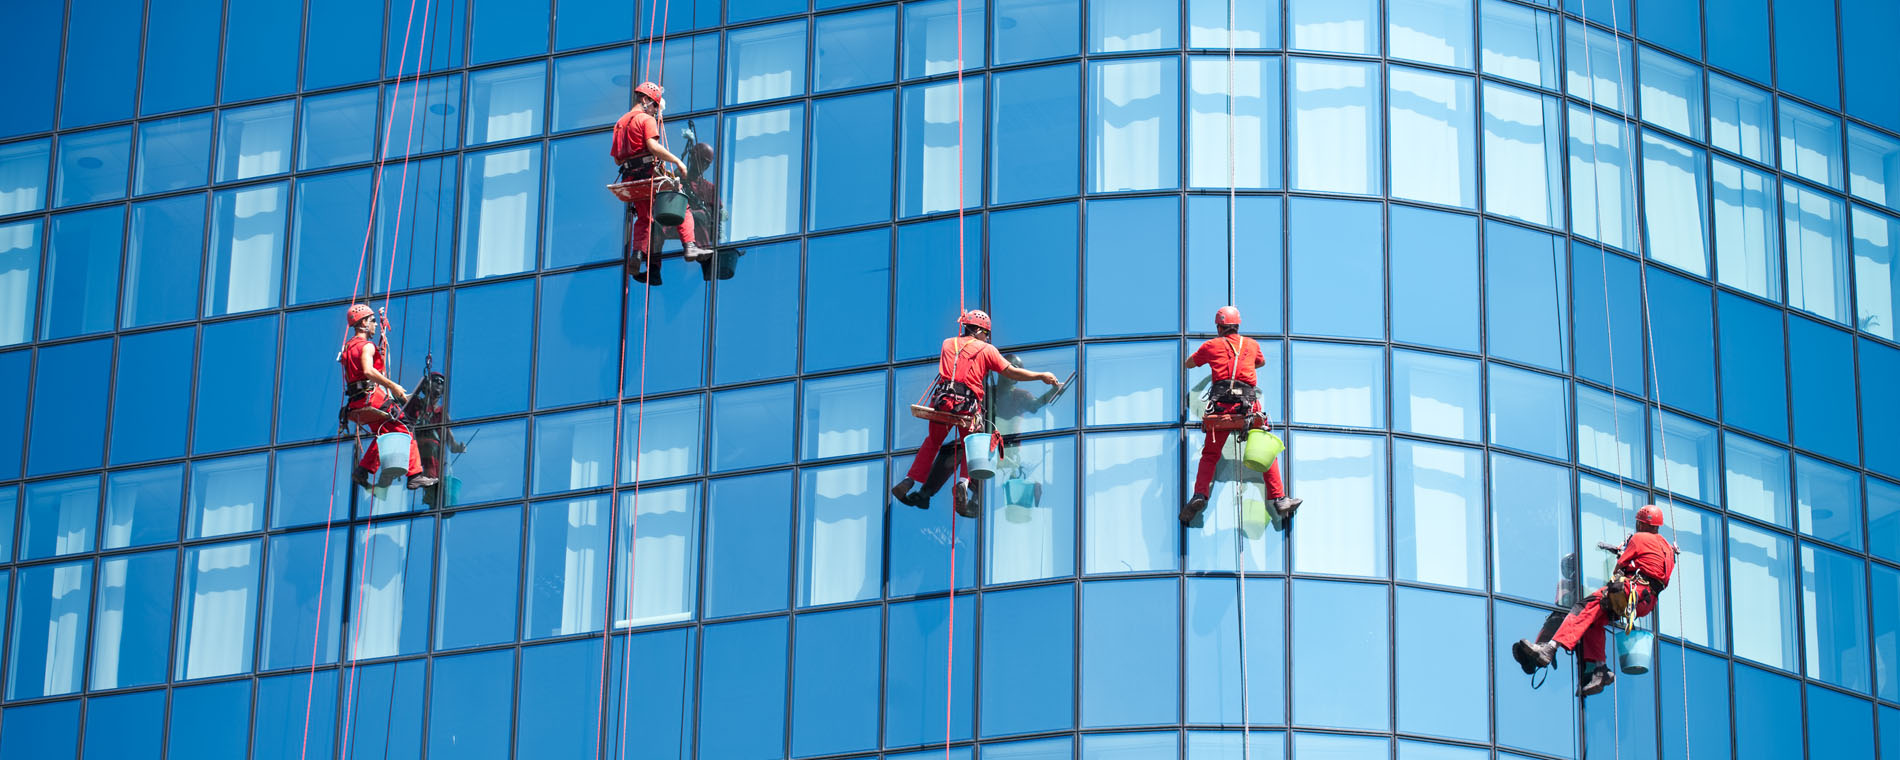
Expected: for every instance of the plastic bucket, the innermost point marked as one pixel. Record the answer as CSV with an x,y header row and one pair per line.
x,y
1253,517
1635,649
669,207
976,453
725,262
1262,448
1019,492
393,450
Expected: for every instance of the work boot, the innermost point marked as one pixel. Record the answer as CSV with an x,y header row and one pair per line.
x,y
1192,508
902,493
1532,656
420,481
360,477
695,253
964,500
1285,508
1599,678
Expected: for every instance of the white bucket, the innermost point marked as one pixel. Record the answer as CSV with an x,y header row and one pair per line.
x,y
393,450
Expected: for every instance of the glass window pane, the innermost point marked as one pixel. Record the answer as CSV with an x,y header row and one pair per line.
x,y
1128,293
74,439
1028,30
217,618
425,112
1129,518
1134,122
1610,433
764,153
19,279
1883,518
505,103
847,310
49,630
1434,395
1137,383
127,725
748,544
1684,456
855,49
468,716
500,207
1540,720
841,528
1828,500
1873,165
281,705
845,188
932,147
740,421
1754,385
1434,259
834,692
844,415
329,212
255,141
23,175
668,432
1529,411
1433,31
299,619
1746,229
1523,154
1439,658
567,568
173,154
1834,614
58,518
1876,242
1810,144
1119,25
1530,505
1696,610
310,485
590,89
571,327
1347,473
244,353
1338,384
420,252
1602,179
1247,119
1757,479
1519,43
1522,322
1341,679
1032,135
1028,670
573,451
247,249
1334,269
1256,23
765,62
1030,532
745,675
141,507
1123,623
576,206
390,588
1761,567
663,554
1434,150
1675,183
1335,138
755,318
227,496
92,166
1814,225
1741,119
1608,300
1255,283
1760,697
199,723
917,638
1671,92
162,261
508,28
1336,26
82,271
1438,516
338,129
1599,65
1213,654
477,577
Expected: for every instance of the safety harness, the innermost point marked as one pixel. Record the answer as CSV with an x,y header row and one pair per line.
x,y
1231,395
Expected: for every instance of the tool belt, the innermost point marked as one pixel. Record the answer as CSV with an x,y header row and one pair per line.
x,y
639,167
364,391
1231,395
955,398
1621,598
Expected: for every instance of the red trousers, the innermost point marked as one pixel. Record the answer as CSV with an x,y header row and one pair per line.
x,y
920,466
1582,631
365,413
642,206
1211,442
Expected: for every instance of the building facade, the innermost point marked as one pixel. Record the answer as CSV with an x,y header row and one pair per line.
x,y
1518,268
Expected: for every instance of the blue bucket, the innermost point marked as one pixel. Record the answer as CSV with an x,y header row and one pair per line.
x,y
1635,649
393,450
1019,492
976,453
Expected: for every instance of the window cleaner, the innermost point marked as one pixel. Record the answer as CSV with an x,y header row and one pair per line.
x,y
427,411
956,400
1233,403
371,399
642,159
1643,566
1012,399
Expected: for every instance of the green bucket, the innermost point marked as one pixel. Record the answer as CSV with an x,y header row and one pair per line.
x,y
669,207
1262,448
1254,517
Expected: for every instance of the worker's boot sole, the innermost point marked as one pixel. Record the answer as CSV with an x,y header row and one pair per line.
x,y
1192,509
1599,679
1285,508
1531,656
901,492
965,503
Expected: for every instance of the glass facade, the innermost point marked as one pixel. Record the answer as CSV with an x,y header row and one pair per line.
x,y
1518,267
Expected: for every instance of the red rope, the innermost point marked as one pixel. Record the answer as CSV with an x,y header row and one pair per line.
x,y
950,657
329,508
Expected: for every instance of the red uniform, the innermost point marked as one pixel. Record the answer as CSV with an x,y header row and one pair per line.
x,y
630,145
372,408
1646,553
1231,357
964,360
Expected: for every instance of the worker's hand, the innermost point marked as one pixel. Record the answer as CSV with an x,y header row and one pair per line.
x,y
401,395
1049,378
1609,547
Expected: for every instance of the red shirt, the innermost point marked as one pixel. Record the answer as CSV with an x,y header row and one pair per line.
x,y
1650,553
1231,357
631,134
352,359
969,361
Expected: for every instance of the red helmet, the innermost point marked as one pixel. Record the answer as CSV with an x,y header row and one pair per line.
x,y
1228,316
975,318
357,312
651,90
1650,515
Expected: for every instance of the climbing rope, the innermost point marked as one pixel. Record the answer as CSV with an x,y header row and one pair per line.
x,y
1240,537
950,646
329,509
